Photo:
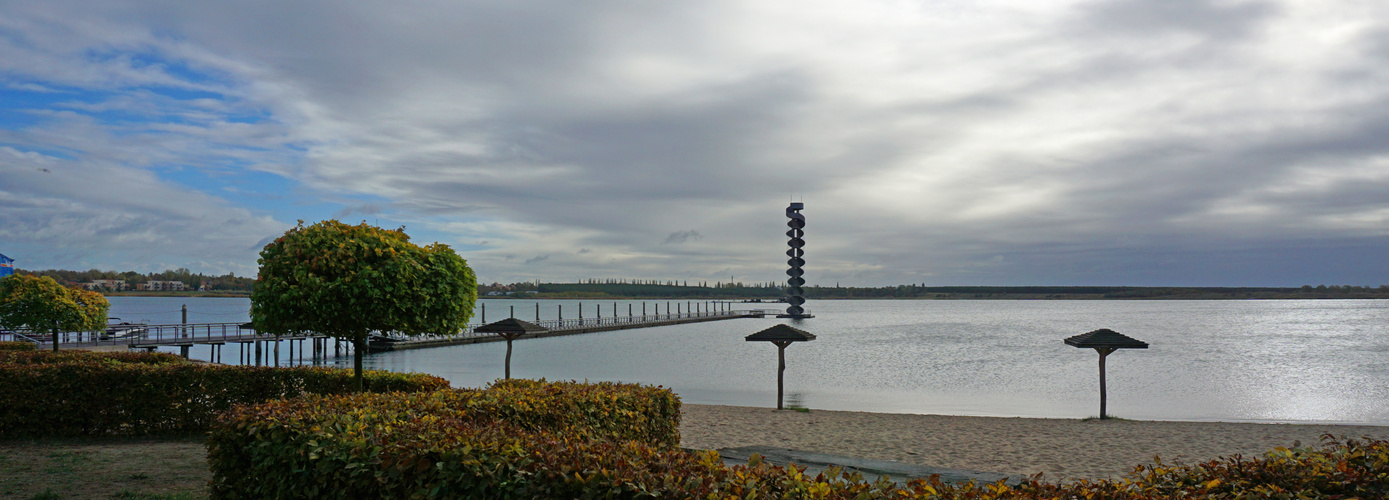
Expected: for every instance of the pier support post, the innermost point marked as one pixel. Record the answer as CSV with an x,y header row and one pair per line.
x,y
183,350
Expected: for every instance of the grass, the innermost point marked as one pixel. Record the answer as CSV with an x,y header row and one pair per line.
x,y
120,468
1109,417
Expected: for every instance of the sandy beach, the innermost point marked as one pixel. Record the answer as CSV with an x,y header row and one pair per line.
x,y
1059,448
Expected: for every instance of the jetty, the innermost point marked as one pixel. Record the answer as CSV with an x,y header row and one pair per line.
x,y
255,348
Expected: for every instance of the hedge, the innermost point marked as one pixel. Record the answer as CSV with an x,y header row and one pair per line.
x,y
32,357
497,443
448,443
16,346
82,394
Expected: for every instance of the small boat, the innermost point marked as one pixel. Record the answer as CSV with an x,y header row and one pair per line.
x,y
123,330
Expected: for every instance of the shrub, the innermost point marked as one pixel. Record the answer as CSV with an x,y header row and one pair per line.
x,y
16,346
443,444
80,393
32,357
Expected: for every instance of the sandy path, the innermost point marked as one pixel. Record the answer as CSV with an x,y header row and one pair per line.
x,y
1059,448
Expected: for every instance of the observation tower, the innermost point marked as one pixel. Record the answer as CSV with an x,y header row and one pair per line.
x,y
794,292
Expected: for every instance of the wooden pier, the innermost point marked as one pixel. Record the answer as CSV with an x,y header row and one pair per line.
x,y
575,326
257,349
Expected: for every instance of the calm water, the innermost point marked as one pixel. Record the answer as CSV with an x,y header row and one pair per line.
x,y
1275,360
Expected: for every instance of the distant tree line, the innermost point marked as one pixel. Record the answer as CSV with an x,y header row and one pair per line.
x,y
632,288
719,290
195,281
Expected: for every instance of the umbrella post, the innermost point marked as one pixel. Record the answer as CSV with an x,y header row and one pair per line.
x,y
1104,396
780,369
509,359
1105,341
780,336
510,329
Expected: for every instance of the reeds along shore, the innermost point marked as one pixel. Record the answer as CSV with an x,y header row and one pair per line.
x,y
1059,448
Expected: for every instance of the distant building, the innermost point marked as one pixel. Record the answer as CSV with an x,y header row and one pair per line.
x,y
163,286
112,285
6,266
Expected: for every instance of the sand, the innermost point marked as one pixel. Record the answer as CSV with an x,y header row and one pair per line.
x,y
1059,448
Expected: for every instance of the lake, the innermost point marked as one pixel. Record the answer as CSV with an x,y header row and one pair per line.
x,y
1261,361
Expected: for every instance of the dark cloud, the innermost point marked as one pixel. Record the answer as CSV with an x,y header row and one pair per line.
x,y
1214,19
681,237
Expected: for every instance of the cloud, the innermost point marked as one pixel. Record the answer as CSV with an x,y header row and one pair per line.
x,y
537,259
1207,18
113,217
681,237
1084,142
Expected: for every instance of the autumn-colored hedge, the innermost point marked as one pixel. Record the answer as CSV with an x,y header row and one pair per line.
x,y
16,346
32,357
450,444
472,444
76,394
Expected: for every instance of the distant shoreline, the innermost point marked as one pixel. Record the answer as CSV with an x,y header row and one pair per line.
x,y
190,293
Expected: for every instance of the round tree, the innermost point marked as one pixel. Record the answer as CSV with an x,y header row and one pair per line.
x,y
348,281
37,303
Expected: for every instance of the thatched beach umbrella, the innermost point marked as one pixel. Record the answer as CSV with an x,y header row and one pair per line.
x,y
1105,341
510,329
781,336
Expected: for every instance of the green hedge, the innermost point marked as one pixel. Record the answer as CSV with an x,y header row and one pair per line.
x,y
524,439
77,394
16,346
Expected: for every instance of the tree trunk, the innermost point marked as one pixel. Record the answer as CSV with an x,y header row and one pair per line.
x,y
55,338
359,345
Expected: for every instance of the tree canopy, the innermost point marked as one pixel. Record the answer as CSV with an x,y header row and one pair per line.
x,y
40,304
347,281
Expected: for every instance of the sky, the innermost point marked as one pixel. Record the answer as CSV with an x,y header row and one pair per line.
x,y
1143,143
